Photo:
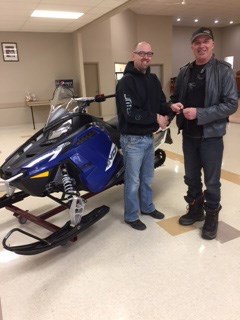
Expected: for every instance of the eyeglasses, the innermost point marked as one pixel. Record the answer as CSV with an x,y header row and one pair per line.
x,y
143,53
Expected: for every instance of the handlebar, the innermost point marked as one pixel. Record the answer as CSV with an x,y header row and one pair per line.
x,y
102,97
97,98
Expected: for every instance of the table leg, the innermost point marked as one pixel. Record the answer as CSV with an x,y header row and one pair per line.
x,y
33,121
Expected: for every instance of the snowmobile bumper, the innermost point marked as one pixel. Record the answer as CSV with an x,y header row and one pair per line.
x,y
57,238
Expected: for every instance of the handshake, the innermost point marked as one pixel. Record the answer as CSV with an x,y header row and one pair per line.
x,y
189,113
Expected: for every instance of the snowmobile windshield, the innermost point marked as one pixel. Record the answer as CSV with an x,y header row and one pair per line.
x,y
62,104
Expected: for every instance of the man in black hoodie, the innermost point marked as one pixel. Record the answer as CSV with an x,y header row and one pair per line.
x,y
142,109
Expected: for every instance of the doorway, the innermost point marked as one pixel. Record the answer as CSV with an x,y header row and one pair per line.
x,y
158,70
92,87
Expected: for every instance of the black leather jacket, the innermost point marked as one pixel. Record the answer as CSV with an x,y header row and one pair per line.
x,y
221,98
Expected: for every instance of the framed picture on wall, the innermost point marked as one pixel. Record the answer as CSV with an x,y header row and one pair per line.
x,y
10,51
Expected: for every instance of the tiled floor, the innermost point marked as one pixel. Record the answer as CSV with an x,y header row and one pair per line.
x,y
113,272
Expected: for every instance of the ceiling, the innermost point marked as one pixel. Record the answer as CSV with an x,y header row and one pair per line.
x,y
15,14
206,11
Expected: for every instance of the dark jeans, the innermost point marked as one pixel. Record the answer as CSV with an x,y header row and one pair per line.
x,y
203,155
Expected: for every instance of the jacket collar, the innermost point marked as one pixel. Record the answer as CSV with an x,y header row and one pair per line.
x,y
207,64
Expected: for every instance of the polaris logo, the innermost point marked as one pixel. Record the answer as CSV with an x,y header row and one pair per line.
x,y
111,156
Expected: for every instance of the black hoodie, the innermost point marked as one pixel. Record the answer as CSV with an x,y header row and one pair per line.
x,y
139,97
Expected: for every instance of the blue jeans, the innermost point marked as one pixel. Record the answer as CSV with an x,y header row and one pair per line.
x,y
138,155
203,154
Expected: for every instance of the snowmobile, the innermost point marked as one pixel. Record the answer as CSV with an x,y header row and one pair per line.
x,y
72,158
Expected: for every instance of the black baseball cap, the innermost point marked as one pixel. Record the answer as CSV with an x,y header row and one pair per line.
x,y
203,31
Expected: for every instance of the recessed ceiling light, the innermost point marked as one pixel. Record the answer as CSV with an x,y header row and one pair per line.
x,y
231,22
195,20
178,19
216,21
56,14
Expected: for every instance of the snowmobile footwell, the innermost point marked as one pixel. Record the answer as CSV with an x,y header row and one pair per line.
x,y
57,238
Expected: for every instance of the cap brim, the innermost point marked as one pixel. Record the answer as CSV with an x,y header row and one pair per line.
x,y
201,34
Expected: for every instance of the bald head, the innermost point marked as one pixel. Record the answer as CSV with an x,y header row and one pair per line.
x,y
140,44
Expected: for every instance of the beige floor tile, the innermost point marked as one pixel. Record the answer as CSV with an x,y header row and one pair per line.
x,y
172,226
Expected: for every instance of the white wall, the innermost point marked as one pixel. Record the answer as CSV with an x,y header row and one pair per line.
x,y
96,46
43,57
158,31
123,35
231,45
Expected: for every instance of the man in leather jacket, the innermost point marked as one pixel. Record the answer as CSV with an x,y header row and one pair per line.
x,y
205,95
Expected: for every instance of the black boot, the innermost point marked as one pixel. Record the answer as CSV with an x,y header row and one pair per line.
x,y
209,230
195,212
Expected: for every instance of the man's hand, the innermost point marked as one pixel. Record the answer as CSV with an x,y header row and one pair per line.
x,y
177,107
190,113
162,121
